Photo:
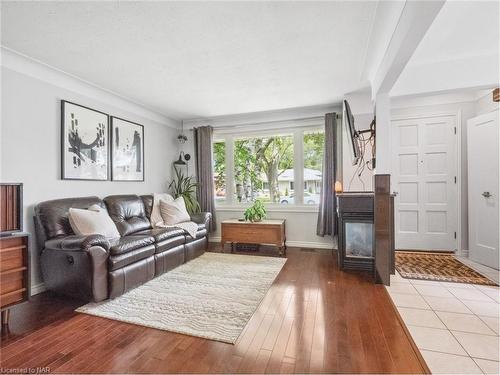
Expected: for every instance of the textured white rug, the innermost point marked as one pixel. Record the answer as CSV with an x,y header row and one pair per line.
x,y
212,296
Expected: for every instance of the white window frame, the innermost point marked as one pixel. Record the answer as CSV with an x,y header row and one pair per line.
x,y
228,136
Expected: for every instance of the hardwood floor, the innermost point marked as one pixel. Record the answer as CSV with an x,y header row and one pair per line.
x,y
313,319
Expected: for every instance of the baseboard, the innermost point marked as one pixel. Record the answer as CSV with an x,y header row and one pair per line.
x,y
38,288
313,245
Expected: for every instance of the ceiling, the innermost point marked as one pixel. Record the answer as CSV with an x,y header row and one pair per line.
x,y
201,59
461,29
460,50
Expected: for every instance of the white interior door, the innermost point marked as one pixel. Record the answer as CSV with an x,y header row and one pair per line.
x,y
483,174
424,177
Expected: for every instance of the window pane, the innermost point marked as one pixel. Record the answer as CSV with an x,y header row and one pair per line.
x,y
220,171
314,143
264,169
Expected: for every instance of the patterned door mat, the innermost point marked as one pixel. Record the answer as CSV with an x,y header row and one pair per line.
x,y
437,267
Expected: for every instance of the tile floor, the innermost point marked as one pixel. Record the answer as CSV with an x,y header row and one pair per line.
x,y
455,326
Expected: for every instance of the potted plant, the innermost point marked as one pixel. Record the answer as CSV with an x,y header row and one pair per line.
x,y
255,213
182,186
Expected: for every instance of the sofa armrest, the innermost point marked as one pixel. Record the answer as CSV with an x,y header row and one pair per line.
x,y
76,242
202,218
77,266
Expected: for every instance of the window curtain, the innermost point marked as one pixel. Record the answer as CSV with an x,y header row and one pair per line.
x,y
327,217
204,171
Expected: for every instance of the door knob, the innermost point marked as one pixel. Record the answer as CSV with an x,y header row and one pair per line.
x,y
486,194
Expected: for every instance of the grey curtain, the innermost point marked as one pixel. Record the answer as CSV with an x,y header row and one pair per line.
x,y
204,171
327,217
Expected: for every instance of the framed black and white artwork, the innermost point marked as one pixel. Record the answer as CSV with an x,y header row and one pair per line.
x,y
84,143
127,150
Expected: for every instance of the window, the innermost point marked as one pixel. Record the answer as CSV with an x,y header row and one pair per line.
x,y
313,146
277,168
263,168
220,170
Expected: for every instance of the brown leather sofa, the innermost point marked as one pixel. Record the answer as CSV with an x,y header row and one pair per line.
x,y
94,268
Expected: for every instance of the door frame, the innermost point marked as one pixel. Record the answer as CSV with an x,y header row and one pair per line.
x,y
415,113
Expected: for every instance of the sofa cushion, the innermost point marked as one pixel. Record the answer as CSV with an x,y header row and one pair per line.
x,y
170,243
87,222
128,213
161,234
122,260
128,243
52,215
148,204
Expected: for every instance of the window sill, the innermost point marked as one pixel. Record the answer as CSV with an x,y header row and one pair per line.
x,y
270,208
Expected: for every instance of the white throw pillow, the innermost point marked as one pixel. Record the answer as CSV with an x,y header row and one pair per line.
x,y
87,222
95,207
174,212
156,218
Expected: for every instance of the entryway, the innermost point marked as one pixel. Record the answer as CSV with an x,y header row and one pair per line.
x,y
425,180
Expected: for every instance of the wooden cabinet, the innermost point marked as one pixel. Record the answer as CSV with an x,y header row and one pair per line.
x,y
11,213
263,232
14,272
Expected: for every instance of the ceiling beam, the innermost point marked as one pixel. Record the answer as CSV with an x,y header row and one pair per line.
x,y
416,18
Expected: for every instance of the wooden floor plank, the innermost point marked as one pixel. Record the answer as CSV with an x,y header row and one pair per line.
x,y
314,318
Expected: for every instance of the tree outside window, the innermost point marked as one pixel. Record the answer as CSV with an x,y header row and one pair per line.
x,y
264,168
220,170
314,144
259,163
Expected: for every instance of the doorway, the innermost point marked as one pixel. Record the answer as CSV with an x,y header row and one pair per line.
x,y
425,181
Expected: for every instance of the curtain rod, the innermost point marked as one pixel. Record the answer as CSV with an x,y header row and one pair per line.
x,y
226,127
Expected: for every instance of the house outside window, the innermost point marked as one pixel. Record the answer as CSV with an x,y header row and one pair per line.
x,y
269,166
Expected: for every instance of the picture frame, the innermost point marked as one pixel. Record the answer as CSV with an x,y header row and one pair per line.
x,y
84,143
127,150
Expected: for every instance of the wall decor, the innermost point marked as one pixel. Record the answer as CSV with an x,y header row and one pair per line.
x,y
127,150
84,143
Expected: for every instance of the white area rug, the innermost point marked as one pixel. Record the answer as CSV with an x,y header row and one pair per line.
x,y
212,296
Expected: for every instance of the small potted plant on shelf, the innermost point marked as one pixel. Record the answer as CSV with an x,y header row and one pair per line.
x,y
255,213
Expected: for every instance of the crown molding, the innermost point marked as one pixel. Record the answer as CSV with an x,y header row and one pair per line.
x,y
39,70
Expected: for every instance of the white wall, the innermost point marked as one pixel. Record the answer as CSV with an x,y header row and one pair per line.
x,y
300,222
485,103
362,110
351,180
30,141
300,227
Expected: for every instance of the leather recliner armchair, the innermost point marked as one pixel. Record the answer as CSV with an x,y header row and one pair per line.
x,y
94,268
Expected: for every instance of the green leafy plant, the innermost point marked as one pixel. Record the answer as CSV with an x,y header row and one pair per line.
x,y
183,186
255,213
